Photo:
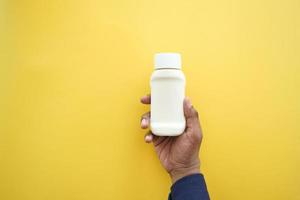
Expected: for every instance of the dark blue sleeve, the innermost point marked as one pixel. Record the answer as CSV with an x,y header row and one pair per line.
x,y
191,187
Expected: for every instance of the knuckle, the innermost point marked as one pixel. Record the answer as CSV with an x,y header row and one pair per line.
x,y
198,137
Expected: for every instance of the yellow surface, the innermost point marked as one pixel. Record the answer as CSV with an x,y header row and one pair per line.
x,y
72,72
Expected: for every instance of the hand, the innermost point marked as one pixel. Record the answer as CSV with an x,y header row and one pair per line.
x,y
179,155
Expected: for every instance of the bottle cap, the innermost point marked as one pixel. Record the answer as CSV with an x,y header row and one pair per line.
x,y
167,60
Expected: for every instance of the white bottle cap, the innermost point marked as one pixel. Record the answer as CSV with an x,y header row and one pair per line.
x,y
167,60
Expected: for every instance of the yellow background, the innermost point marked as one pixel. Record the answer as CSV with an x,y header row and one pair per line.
x,y
72,72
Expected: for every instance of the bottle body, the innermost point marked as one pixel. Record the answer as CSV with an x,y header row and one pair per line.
x,y
167,96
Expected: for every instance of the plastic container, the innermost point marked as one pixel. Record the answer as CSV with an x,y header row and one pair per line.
x,y
167,95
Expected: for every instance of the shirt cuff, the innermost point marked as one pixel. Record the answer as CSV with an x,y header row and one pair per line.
x,y
190,187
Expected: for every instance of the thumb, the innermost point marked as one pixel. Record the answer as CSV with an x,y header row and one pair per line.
x,y
191,115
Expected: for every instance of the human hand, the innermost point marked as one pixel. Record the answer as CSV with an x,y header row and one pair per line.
x,y
178,155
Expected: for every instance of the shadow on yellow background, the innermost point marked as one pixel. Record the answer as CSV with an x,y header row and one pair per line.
x,y
72,72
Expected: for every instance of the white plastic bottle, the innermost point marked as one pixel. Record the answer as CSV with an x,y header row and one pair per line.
x,y
167,95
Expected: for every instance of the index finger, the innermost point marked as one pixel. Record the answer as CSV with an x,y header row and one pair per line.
x,y
146,99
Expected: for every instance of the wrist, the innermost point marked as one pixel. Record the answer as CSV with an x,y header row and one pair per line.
x,y
181,172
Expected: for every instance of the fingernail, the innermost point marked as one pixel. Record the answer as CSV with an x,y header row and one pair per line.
x,y
144,122
148,138
144,97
